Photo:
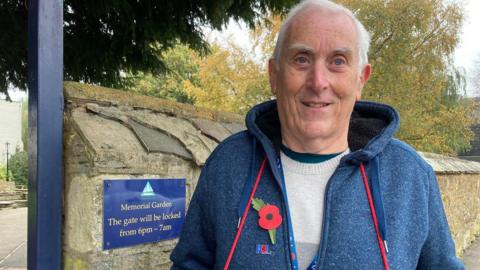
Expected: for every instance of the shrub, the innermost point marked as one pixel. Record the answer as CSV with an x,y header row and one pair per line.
x,y
18,165
3,173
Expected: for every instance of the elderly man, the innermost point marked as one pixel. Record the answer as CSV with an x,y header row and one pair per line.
x,y
317,181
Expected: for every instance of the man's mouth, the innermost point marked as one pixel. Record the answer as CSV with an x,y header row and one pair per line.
x,y
315,104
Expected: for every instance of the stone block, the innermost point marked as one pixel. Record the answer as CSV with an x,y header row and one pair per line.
x,y
199,145
211,129
155,141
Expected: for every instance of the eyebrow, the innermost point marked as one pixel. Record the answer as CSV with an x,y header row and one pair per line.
x,y
305,48
343,50
300,47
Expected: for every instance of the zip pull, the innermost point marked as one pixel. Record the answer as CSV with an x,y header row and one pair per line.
x,y
385,244
238,225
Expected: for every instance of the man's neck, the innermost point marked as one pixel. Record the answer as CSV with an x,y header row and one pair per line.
x,y
317,146
307,157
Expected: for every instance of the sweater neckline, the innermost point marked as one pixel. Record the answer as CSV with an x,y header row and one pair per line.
x,y
307,157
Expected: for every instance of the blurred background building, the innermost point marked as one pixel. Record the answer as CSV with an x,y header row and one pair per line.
x,y
10,128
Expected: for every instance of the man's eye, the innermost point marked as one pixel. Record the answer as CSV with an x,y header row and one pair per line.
x,y
339,61
301,60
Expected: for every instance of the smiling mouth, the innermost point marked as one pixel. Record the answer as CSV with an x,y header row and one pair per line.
x,y
315,104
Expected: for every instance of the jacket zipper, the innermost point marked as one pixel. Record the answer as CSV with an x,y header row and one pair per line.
x,y
287,224
322,239
322,249
285,210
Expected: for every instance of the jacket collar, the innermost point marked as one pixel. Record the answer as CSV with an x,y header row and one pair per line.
x,y
372,125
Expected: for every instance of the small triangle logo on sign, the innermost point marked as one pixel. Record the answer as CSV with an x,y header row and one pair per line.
x,y
147,191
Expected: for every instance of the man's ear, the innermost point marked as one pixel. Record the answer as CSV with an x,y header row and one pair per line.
x,y
367,69
272,75
364,76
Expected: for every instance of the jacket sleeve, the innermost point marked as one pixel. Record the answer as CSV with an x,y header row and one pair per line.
x,y
438,251
196,246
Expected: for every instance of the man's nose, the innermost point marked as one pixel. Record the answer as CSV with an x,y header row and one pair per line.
x,y
319,77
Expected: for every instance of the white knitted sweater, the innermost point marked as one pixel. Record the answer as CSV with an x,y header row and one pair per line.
x,y
305,184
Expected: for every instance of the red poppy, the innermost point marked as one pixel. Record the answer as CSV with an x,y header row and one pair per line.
x,y
270,217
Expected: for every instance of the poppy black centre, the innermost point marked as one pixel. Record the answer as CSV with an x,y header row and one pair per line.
x,y
269,216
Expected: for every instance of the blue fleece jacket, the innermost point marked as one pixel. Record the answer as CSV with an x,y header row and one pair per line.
x,y
404,187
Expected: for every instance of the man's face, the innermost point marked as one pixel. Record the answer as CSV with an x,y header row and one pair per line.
x,y
317,81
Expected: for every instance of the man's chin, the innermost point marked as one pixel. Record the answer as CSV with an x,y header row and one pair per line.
x,y
316,132
320,131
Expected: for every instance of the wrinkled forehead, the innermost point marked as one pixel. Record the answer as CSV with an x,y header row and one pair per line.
x,y
322,27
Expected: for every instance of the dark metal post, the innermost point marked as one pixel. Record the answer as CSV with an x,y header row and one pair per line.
x,y
45,90
7,144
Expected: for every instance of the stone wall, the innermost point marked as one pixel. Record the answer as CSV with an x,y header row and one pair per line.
x,y
112,134
459,182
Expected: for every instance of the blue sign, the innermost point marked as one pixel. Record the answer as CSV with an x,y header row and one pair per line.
x,y
139,211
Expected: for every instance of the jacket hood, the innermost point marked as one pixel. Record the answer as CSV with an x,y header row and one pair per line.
x,y
372,125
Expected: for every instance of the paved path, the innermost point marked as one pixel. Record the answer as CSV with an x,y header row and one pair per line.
x,y
13,236
471,258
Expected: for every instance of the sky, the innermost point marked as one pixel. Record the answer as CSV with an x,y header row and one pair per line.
x,y
468,49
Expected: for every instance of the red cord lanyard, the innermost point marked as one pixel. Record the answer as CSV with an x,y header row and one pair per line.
x,y
245,213
381,244
254,189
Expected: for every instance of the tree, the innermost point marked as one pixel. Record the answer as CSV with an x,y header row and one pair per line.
x,y
18,165
411,55
455,87
229,81
103,39
230,78
458,107
3,172
475,78
233,78
182,64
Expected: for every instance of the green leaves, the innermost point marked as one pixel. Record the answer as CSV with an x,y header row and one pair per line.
x,y
273,235
103,40
18,167
182,64
257,204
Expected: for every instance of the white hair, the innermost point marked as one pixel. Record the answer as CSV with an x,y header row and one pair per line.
x,y
362,34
